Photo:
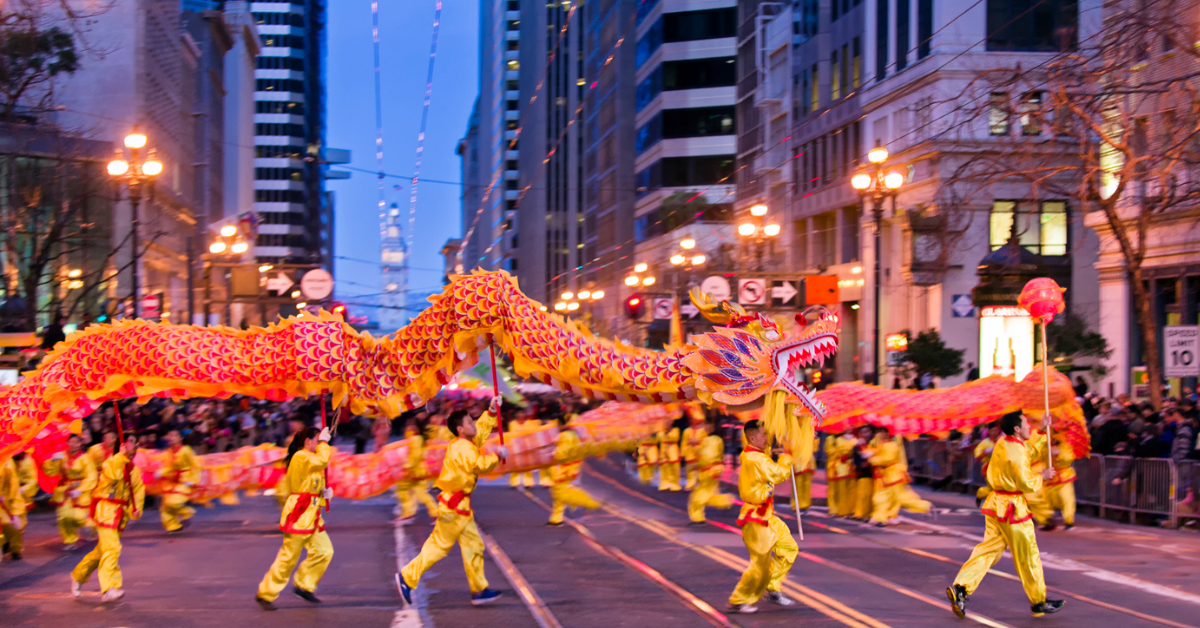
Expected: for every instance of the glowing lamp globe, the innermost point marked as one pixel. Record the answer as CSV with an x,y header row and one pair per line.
x,y
1043,299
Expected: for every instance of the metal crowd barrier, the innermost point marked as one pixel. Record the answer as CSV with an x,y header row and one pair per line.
x,y
1138,486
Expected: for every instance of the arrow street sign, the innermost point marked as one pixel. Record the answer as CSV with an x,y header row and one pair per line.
x,y
688,310
280,283
783,293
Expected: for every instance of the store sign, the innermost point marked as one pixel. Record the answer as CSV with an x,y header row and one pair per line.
x,y
1001,311
1181,350
896,342
1140,380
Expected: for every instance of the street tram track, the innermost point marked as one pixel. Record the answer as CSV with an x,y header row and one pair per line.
x,y
912,551
699,606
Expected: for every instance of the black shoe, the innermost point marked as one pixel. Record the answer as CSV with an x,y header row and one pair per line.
x,y
1049,607
264,604
307,595
1049,527
15,555
405,590
554,524
1068,527
958,600
697,524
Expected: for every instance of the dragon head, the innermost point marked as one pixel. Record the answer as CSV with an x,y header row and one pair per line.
x,y
742,361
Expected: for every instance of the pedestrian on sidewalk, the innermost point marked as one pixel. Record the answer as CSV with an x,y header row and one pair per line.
x,y
770,543
1009,523
301,521
464,462
119,497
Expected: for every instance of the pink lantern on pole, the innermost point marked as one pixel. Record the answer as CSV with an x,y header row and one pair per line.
x,y
1043,299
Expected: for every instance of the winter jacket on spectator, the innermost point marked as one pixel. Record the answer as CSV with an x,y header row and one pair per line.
x,y
1182,446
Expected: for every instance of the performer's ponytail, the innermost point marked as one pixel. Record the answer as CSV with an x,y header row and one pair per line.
x,y
298,443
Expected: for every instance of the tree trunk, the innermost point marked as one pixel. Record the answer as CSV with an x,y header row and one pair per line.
x,y
1143,303
31,301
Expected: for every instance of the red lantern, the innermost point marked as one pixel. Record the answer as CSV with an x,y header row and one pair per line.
x,y
1043,299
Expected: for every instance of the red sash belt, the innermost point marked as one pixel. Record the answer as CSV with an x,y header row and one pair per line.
x,y
303,501
454,500
118,522
1010,513
759,514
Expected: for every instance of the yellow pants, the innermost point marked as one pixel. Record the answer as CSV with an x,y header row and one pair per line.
x,y
450,528
864,494
707,494
888,501
14,536
70,520
772,552
320,552
230,499
104,556
668,476
567,494
411,495
646,473
802,500
841,497
1019,539
174,511
693,475
1059,497
516,479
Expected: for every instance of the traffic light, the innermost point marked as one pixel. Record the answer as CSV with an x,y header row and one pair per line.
x,y
633,307
339,309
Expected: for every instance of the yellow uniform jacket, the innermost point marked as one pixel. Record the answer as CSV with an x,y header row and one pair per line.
x,y
12,500
756,485
710,457
414,466
99,453
1011,477
670,446
464,462
76,473
181,472
839,461
692,439
304,486
119,495
569,456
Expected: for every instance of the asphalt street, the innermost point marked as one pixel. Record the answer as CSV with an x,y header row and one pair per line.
x,y
633,563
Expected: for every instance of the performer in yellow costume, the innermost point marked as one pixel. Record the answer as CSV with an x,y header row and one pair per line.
x,y
102,450
668,469
1058,492
864,473
693,436
181,472
517,427
770,543
1008,524
647,460
73,496
464,462
569,455
12,509
413,490
27,471
839,475
710,461
802,500
892,491
118,498
301,521
983,454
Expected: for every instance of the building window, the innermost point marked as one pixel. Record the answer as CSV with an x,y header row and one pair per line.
x,y
699,73
699,25
924,28
825,239
881,39
803,93
856,71
814,100
998,114
903,13
835,81
1032,25
850,233
649,44
1030,112
1041,228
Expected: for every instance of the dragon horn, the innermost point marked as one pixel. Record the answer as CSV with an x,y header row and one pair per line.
x,y
717,312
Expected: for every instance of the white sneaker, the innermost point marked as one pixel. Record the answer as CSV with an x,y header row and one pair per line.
x,y
76,588
112,595
744,609
777,597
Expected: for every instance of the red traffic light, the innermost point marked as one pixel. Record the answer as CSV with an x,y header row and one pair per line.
x,y
340,309
633,307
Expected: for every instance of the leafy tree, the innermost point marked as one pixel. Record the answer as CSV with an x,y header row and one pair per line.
x,y
30,57
927,354
1070,339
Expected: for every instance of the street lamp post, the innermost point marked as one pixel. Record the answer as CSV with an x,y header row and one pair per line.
x,y
686,262
757,231
137,175
877,186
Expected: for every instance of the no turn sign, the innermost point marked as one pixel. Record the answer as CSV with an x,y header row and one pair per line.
x,y
663,308
752,291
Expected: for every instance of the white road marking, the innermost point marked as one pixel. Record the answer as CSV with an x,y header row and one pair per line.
x,y
410,616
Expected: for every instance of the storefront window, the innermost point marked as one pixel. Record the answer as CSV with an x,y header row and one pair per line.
x,y
1041,228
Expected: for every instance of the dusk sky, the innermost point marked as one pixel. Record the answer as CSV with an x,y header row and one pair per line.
x,y
406,29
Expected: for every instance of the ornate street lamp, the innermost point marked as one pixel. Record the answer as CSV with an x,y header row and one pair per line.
x,y
138,174
756,231
877,185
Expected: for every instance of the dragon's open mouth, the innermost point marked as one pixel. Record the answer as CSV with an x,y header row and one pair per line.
x,y
808,351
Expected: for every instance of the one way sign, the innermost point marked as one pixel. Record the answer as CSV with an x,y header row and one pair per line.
x,y
783,294
280,283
